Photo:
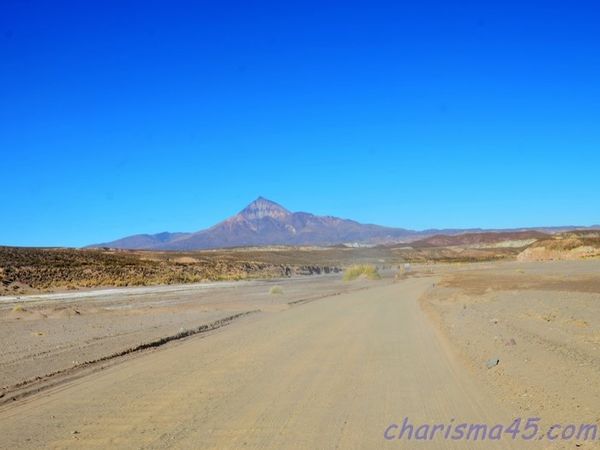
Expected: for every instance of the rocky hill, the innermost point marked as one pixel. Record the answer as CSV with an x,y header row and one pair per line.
x,y
495,238
565,246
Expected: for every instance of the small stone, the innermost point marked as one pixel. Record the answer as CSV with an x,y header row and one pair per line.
x,y
492,363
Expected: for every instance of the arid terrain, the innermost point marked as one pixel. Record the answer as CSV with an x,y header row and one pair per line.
x,y
287,352
333,372
46,270
37,270
52,333
315,363
541,320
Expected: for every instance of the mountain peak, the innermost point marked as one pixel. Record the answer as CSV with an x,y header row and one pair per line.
x,y
264,222
262,207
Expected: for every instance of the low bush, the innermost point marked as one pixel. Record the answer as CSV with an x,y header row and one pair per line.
x,y
276,290
367,271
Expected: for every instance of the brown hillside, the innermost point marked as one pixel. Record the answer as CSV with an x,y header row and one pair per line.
x,y
478,238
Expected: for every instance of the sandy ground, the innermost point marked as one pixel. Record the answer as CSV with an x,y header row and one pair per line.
x,y
43,334
542,321
333,373
325,365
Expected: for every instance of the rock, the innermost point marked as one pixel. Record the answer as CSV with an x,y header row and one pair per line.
x,y
492,363
494,321
511,341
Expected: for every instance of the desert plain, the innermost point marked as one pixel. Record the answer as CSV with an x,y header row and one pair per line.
x,y
306,360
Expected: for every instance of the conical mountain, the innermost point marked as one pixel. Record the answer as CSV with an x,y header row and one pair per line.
x,y
265,222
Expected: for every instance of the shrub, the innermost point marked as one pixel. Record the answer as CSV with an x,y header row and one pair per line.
x,y
276,290
361,271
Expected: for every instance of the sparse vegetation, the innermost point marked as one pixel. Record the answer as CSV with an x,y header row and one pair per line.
x,y
368,271
31,270
276,290
572,245
34,270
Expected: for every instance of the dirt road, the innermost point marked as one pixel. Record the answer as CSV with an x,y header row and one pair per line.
x,y
333,373
46,334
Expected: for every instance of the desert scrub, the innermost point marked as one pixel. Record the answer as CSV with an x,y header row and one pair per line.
x,y
276,290
361,271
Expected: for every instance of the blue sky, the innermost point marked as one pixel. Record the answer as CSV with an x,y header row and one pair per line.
x,y
125,117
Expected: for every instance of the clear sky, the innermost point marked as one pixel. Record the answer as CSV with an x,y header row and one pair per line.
x,y
122,117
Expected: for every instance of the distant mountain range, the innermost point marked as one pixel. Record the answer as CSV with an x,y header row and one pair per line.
x,y
264,222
